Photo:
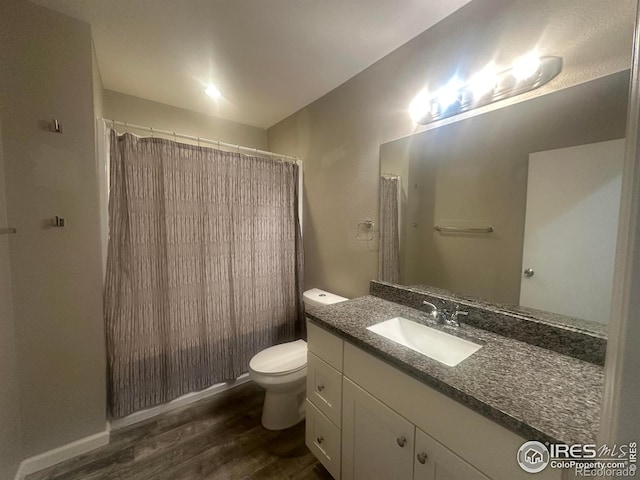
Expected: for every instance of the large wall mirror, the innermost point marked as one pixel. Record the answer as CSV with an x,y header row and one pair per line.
x,y
516,206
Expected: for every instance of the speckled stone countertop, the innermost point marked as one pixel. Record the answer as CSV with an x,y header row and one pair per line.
x,y
537,393
567,335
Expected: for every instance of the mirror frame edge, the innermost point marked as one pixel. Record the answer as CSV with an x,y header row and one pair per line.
x,y
619,419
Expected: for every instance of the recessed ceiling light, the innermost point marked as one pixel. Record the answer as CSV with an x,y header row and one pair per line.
x,y
213,92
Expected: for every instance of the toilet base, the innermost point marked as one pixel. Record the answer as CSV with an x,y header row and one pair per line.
x,y
283,410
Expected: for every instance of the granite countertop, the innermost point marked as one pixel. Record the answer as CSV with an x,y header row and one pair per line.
x,y
537,393
555,319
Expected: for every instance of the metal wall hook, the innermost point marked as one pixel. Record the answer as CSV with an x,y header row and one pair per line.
x,y
57,222
55,126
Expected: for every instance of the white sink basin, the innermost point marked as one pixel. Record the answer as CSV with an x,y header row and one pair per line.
x,y
428,341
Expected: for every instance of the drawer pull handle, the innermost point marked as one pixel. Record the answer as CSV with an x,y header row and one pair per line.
x,y
320,388
401,441
319,440
422,458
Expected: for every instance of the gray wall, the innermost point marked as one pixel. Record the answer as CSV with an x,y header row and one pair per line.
x,y
125,108
56,274
339,135
10,427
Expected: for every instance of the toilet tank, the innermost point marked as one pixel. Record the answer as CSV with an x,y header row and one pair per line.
x,y
318,298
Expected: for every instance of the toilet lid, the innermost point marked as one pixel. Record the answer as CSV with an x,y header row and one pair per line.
x,y
280,359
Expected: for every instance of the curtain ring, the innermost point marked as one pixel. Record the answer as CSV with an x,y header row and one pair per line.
x,y
126,127
175,138
151,128
198,141
238,148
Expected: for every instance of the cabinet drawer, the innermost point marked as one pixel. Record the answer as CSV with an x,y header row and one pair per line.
x,y
323,439
324,388
325,345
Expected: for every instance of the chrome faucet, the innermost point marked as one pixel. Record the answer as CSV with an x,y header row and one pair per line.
x,y
434,310
444,317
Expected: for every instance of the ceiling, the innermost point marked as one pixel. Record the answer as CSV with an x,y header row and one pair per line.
x,y
269,58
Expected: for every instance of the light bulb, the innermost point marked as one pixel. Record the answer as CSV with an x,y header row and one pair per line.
x,y
483,82
525,66
436,109
420,106
449,94
213,92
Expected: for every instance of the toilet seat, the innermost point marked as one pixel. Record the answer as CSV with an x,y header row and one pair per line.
x,y
280,359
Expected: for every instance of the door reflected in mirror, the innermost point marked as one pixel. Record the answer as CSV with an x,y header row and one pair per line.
x,y
516,206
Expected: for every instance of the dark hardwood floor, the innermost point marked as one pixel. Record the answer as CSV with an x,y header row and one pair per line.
x,y
217,438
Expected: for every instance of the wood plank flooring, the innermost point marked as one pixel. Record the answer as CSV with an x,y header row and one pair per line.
x,y
217,438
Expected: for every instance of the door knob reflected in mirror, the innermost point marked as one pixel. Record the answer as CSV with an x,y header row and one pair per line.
x,y
528,272
422,457
401,441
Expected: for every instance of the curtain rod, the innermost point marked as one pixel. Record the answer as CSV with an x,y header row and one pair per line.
x,y
217,143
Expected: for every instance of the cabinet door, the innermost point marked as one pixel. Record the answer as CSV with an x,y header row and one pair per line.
x,y
377,443
433,461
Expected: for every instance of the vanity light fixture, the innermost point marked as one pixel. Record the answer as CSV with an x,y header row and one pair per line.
x,y
213,92
487,86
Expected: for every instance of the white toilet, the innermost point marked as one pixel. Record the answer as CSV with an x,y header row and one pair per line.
x,y
282,371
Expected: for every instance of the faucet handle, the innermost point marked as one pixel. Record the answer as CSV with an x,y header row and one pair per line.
x,y
454,316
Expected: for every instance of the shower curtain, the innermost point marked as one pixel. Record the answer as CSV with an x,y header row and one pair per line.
x,y
389,247
203,268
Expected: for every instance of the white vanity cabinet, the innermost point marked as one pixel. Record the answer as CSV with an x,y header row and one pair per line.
x,y
391,426
379,443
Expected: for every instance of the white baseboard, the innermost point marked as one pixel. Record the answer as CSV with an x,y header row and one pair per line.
x,y
177,403
52,457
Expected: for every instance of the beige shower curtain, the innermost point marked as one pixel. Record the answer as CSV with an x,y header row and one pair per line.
x,y
203,268
389,246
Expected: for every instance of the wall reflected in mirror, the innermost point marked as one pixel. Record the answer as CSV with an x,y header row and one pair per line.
x,y
535,186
